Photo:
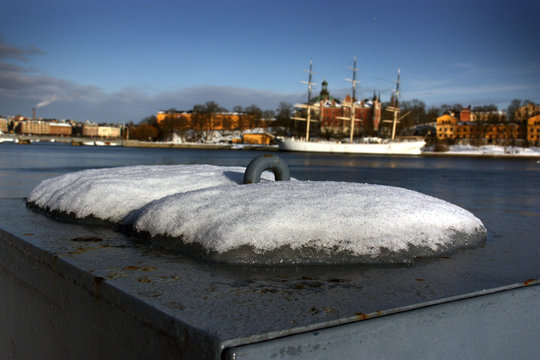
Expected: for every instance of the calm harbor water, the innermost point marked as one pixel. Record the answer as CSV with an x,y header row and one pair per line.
x,y
503,193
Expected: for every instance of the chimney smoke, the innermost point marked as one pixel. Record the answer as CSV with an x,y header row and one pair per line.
x,y
48,101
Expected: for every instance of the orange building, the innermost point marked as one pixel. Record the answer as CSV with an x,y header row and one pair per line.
x,y
211,121
446,127
465,115
466,131
163,115
533,130
259,139
503,131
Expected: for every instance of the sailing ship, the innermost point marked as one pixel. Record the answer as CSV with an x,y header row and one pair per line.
x,y
390,146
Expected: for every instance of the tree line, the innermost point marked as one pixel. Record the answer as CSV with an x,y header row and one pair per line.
x,y
415,113
201,119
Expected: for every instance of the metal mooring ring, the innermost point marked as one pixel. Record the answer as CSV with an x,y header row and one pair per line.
x,y
266,162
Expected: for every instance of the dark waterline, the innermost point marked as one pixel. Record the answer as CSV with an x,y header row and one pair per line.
x,y
451,178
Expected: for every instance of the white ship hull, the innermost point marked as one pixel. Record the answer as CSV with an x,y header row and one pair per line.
x,y
387,148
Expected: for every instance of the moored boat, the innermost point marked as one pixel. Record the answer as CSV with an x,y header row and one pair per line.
x,y
384,148
392,146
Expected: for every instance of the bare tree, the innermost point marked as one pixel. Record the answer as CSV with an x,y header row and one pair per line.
x,y
204,117
283,116
254,114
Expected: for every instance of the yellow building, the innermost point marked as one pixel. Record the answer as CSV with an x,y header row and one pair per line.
x,y
503,131
258,139
446,127
533,130
466,131
526,112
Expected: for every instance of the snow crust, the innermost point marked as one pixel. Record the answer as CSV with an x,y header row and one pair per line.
x,y
202,209
110,194
493,150
332,222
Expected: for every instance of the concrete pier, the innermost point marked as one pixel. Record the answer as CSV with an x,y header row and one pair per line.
x,y
85,291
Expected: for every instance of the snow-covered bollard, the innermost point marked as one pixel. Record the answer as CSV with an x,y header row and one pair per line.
x,y
203,209
110,194
304,222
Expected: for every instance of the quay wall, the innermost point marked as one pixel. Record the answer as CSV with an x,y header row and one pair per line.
x,y
50,309
87,292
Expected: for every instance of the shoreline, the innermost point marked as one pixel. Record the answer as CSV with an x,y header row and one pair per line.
x,y
491,156
165,145
204,146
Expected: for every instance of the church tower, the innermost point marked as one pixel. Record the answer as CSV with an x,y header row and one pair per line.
x,y
324,94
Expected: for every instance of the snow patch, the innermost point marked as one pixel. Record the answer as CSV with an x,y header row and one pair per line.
x,y
493,150
110,194
310,222
203,210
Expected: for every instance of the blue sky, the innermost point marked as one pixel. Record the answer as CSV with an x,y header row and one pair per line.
x,y
119,61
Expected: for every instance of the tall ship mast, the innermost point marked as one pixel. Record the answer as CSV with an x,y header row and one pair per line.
x,y
352,116
307,106
394,108
380,146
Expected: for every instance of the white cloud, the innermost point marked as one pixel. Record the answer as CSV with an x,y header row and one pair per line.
x,y
63,98
8,51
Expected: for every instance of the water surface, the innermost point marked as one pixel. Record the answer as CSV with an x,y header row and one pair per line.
x,y
503,193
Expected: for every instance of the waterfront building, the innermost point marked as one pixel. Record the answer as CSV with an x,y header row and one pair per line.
x,y
3,125
334,115
449,127
172,114
59,129
94,130
258,139
504,131
190,120
42,127
533,130
90,129
109,132
526,112
34,127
